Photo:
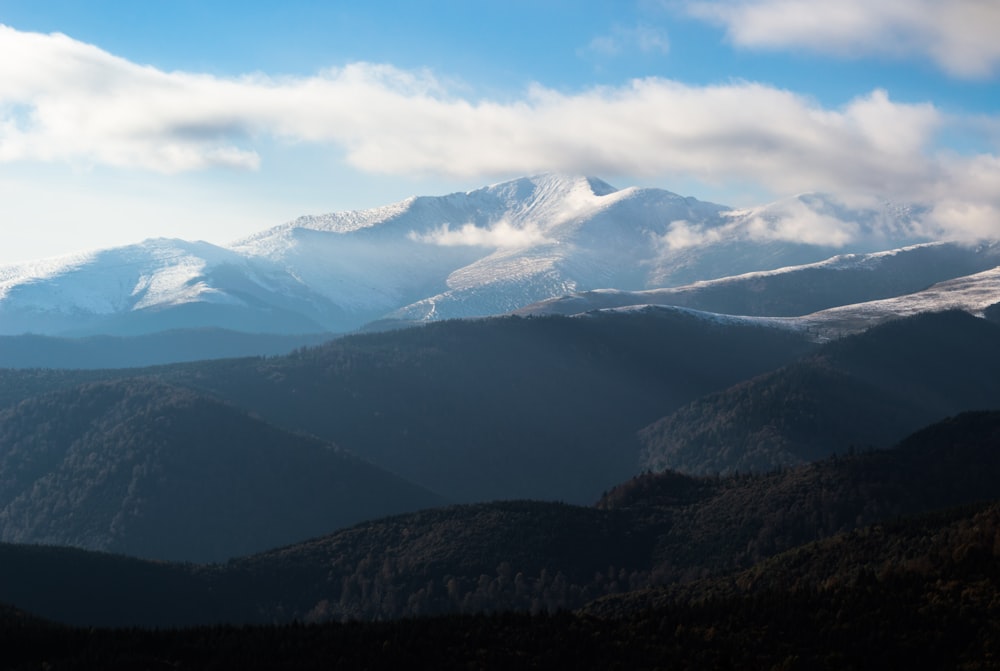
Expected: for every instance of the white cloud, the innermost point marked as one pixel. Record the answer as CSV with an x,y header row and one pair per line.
x,y
65,101
790,220
683,234
797,221
959,36
501,235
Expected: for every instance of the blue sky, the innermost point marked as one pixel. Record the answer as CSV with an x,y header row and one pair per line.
x,y
124,120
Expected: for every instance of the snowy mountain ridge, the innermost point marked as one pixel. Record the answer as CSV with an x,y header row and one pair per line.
x,y
972,294
478,253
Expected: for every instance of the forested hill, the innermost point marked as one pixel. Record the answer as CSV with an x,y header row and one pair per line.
x,y
140,467
868,390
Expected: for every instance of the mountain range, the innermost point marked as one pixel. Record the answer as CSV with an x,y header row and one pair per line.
x,y
699,429
485,252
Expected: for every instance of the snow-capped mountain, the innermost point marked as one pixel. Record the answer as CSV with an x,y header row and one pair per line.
x,y
800,290
156,285
483,252
975,294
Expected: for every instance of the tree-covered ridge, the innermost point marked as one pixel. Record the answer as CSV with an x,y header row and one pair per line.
x,y
154,470
916,593
868,390
737,521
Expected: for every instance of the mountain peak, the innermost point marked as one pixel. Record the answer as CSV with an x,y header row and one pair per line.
x,y
600,187
527,188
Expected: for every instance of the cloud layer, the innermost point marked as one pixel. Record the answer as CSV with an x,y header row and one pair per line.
x,y
63,100
959,36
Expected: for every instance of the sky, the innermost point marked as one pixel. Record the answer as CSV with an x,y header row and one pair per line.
x,y
122,120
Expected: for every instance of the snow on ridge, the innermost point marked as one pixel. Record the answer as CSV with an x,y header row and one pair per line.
x,y
154,272
971,293
34,271
867,260
787,323
348,221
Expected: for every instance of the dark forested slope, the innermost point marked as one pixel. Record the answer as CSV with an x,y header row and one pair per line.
x,y
865,390
148,469
916,593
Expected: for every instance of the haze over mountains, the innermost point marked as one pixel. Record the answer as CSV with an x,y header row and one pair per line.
x,y
484,252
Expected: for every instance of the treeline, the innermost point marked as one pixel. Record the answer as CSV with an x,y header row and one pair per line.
x,y
916,593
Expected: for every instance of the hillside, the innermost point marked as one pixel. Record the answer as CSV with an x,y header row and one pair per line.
x,y
139,467
889,381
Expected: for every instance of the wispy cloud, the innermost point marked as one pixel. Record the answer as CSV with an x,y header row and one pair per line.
x,y
959,36
63,100
645,39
